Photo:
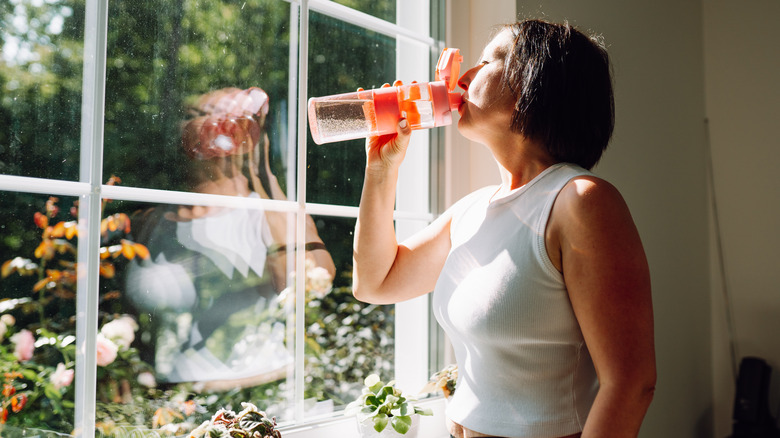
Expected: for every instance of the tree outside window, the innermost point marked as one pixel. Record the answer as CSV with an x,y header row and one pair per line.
x,y
159,257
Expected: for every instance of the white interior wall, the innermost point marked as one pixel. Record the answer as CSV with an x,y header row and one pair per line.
x,y
742,69
657,160
470,165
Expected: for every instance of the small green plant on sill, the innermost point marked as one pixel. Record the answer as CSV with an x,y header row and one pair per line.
x,y
385,404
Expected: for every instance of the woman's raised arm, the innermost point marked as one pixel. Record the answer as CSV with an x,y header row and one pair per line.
x,y
385,272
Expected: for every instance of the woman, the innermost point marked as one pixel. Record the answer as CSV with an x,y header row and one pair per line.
x,y
542,283
211,286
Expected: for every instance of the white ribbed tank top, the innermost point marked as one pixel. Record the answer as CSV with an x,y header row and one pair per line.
x,y
524,369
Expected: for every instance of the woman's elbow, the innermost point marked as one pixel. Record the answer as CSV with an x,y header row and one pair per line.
x,y
647,388
642,387
370,295
636,388
361,292
358,293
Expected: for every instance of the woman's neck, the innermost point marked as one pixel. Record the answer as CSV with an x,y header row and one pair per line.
x,y
520,164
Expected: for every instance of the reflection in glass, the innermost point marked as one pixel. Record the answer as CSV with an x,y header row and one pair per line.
x,y
207,299
160,55
37,312
213,297
361,58
196,302
41,46
346,340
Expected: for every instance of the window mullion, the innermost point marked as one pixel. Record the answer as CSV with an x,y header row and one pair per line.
x,y
411,324
367,21
92,112
300,285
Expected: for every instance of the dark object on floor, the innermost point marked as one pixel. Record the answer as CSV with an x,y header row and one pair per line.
x,y
752,418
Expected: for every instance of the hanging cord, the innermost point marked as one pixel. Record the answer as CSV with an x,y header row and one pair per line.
x,y
721,262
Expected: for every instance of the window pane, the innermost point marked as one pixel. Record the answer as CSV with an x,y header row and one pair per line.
x,y
41,45
384,9
362,58
180,88
37,311
196,302
203,314
346,340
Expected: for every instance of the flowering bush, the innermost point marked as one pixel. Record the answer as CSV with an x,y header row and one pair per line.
x,y
37,332
37,342
35,393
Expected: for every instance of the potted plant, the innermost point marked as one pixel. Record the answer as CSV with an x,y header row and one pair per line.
x,y
382,404
249,423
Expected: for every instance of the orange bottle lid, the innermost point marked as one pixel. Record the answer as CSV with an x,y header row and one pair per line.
x,y
448,68
448,72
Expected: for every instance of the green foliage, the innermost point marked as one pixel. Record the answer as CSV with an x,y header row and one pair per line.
x,y
30,395
159,55
383,404
345,342
339,333
40,88
37,333
361,58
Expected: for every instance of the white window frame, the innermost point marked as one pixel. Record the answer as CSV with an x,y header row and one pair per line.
x,y
412,35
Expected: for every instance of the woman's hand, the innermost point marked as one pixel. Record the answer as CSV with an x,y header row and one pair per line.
x,y
387,152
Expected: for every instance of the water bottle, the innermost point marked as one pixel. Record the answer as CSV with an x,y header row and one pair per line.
x,y
366,113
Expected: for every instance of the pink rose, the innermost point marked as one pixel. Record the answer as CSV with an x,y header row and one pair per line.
x,y
62,377
25,345
121,331
106,350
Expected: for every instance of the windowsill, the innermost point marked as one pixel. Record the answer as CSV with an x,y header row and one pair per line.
x,y
345,427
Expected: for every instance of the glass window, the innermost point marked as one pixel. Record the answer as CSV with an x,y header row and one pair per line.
x,y
361,58
174,242
171,63
40,88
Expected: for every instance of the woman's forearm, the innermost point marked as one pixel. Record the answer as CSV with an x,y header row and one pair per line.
x,y
618,410
375,245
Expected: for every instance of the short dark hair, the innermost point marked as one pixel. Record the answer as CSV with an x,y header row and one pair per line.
x,y
563,83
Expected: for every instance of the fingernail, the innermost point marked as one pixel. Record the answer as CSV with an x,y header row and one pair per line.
x,y
402,124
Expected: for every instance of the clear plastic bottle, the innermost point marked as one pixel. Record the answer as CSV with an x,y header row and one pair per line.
x,y
367,113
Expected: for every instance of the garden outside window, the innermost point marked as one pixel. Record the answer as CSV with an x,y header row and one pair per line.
x,y
173,242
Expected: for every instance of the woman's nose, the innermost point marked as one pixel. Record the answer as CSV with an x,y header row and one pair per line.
x,y
465,79
463,82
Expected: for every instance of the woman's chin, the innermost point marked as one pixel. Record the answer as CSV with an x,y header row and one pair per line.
x,y
465,128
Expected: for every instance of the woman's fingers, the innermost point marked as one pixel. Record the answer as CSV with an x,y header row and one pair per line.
x,y
388,151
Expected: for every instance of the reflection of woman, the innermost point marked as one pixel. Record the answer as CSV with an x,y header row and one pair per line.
x,y
213,271
541,283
